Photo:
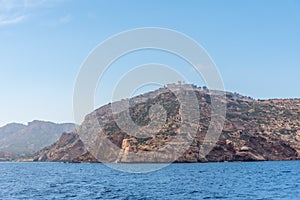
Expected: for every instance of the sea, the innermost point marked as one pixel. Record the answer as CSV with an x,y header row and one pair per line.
x,y
232,180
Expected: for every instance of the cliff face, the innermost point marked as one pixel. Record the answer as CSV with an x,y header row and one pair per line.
x,y
254,130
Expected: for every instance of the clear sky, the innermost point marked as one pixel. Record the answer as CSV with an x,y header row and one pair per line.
x,y
255,45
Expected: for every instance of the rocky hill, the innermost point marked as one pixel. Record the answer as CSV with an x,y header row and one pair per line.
x,y
18,139
254,130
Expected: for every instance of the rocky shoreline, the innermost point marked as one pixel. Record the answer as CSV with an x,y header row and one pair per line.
x,y
254,130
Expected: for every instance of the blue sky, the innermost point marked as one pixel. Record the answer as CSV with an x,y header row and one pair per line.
x,y
255,45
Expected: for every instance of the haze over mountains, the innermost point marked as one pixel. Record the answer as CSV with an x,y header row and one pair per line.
x,y
19,139
254,130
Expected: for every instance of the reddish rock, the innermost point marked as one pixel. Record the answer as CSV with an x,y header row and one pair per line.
x,y
255,130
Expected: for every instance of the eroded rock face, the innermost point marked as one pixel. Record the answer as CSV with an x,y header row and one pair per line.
x,y
254,131
69,148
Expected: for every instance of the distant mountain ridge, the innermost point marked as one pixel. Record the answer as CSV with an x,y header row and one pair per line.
x,y
19,139
254,130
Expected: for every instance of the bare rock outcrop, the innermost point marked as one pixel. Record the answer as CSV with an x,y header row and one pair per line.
x,y
254,130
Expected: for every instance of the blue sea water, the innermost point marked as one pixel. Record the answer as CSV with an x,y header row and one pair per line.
x,y
240,180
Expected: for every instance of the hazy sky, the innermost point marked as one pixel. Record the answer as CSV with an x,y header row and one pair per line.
x,y
255,45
